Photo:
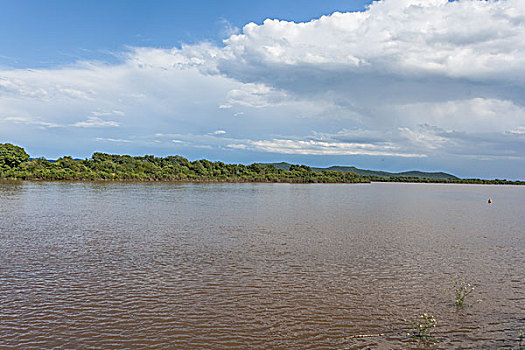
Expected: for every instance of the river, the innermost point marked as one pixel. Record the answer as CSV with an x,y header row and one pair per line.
x,y
258,266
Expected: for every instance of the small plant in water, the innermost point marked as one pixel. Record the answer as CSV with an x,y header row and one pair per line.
x,y
462,289
423,327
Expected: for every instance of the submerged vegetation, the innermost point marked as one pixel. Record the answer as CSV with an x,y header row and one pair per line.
x,y
15,163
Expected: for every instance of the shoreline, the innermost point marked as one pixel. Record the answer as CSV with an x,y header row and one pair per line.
x,y
423,181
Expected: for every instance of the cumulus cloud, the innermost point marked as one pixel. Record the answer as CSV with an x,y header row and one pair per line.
x,y
462,39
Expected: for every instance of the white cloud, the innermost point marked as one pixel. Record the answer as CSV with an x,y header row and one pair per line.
x,y
340,143
254,95
477,114
32,121
102,139
520,130
76,94
95,122
482,145
323,148
105,114
19,87
228,29
424,140
462,39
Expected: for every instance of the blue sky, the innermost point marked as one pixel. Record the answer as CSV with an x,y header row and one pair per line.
x,y
52,32
395,84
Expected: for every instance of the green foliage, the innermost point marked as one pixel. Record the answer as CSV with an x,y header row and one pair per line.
x,y
412,179
112,167
11,156
423,326
462,289
15,164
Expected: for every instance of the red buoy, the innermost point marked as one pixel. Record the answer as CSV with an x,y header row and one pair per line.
x,y
490,201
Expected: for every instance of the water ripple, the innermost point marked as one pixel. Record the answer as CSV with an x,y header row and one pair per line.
x,y
259,266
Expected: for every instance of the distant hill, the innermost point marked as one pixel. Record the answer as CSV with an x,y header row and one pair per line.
x,y
345,169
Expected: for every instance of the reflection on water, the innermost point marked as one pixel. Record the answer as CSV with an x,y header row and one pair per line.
x,y
259,266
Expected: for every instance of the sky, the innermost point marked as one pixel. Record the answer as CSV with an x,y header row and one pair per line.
x,y
433,85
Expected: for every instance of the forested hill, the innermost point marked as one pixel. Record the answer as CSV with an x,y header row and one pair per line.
x,y
376,173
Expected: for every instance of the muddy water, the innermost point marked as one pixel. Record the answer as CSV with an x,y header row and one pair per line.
x,y
258,266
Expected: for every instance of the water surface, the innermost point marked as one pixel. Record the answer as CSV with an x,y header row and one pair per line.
x,y
258,266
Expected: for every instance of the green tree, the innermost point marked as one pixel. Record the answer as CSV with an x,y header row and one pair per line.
x,y
12,156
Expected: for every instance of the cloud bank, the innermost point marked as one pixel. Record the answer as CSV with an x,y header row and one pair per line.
x,y
415,80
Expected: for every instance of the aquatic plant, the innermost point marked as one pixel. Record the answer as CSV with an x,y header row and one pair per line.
x,y
462,289
423,326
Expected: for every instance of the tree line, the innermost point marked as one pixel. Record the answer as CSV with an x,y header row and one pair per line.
x,y
15,163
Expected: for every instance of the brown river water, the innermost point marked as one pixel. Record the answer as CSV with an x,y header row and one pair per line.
x,y
258,266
